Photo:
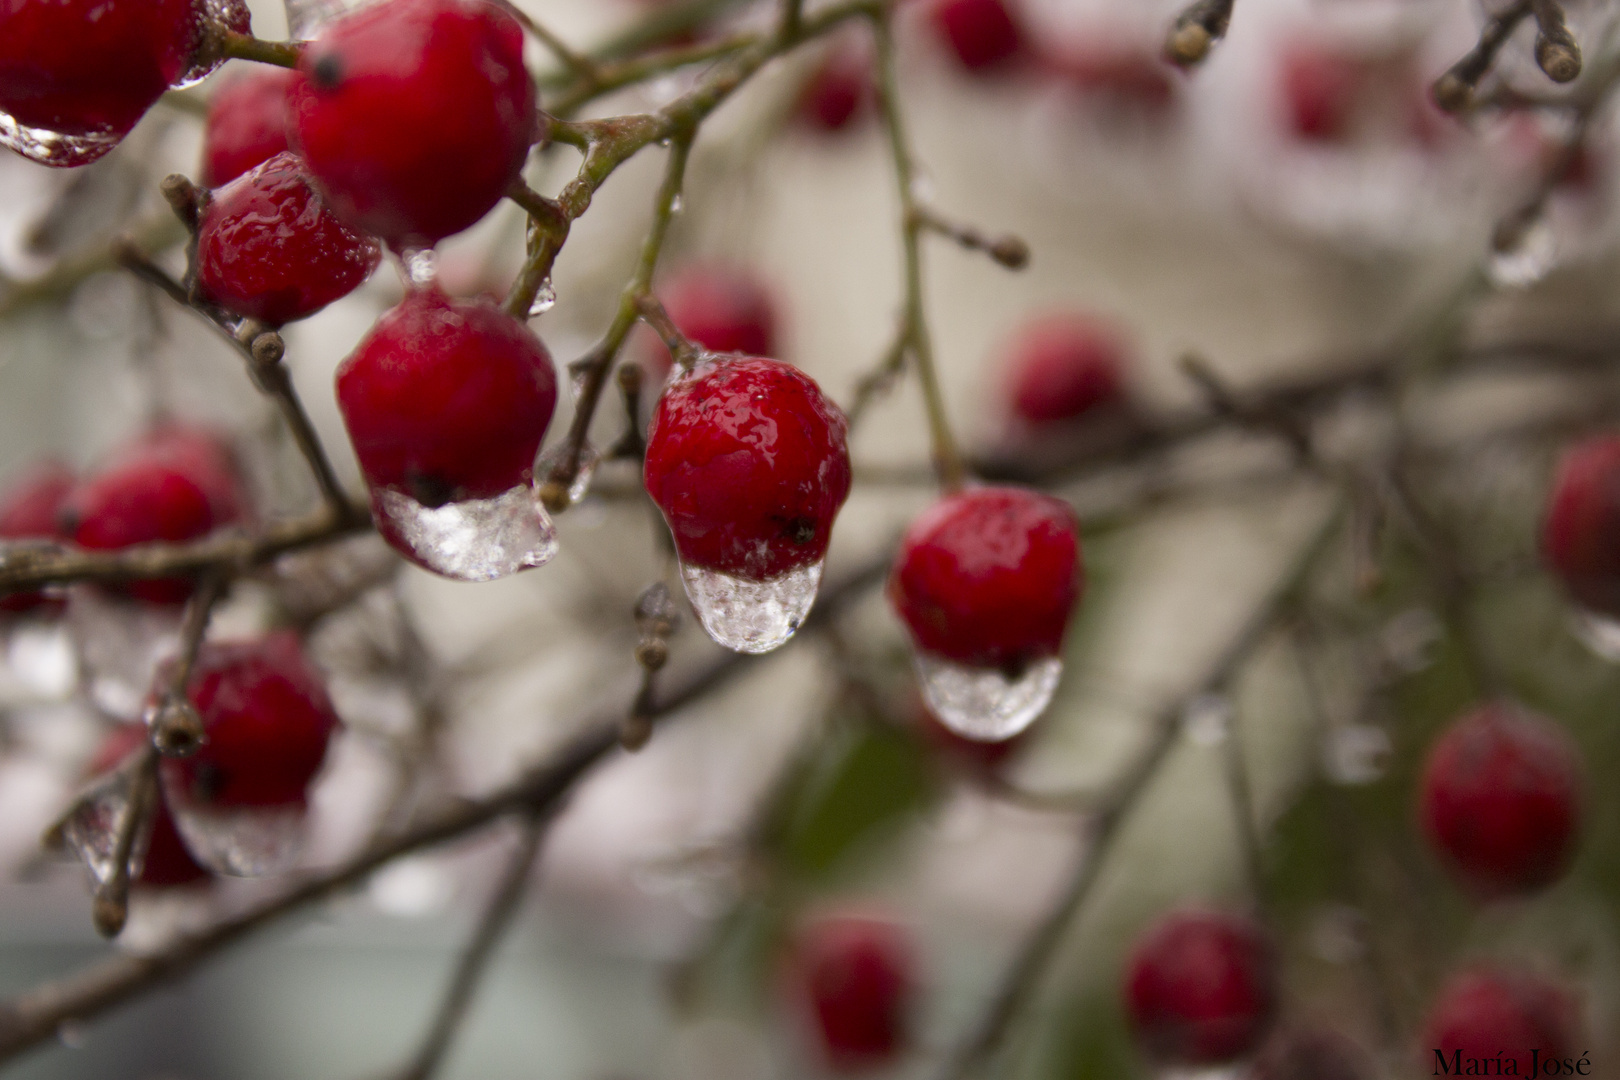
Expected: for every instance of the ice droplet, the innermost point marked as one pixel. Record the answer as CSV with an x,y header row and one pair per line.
x,y
984,703
1529,260
1356,753
243,841
545,298
120,643
91,830
589,459
213,16
475,540
421,266
677,204
751,616
46,147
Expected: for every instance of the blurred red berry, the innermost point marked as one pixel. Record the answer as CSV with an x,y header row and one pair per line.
x,y
722,308
415,116
168,863
1319,88
1200,988
841,89
247,123
1501,800
1063,366
1488,1015
1580,539
30,510
1118,73
856,977
983,35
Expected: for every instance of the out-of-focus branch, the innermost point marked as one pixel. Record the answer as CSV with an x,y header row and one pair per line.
x,y
1454,91
1198,27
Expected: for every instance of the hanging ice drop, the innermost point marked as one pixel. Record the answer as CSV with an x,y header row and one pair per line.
x,y
751,616
473,540
987,704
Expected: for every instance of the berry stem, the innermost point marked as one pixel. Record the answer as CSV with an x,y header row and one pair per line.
x,y
247,47
1454,91
110,904
1199,26
175,728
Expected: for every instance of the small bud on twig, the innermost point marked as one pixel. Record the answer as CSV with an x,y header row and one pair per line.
x,y
184,198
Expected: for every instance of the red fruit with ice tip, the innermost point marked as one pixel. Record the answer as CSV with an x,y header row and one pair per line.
x,y
415,116
76,75
29,511
983,35
1200,987
1500,800
167,863
855,977
1063,366
247,123
447,400
1580,539
747,460
267,720
1502,1017
173,484
269,249
987,577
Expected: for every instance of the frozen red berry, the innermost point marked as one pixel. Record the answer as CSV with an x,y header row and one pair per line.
x,y
746,458
267,719
167,862
1319,89
415,116
723,308
174,484
1580,540
1200,987
76,75
1500,800
447,400
840,90
1508,1019
1063,366
247,123
268,247
29,510
855,977
983,35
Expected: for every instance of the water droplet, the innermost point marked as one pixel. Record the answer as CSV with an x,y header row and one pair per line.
x,y
1207,719
475,540
213,16
90,831
120,644
1529,260
243,841
589,459
421,266
544,299
1356,754
984,703
677,204
751,616
305,17
46,147
1599,633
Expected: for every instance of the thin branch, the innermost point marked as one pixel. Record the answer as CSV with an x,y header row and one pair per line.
x,y
175,727
236,46
1454,91
1557,52
1007,250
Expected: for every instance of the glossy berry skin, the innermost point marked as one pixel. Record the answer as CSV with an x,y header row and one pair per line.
x,y
29,511
747,460
247,123
1063,366
174,484
1580,539
1200,988
267,719
987,577
91,68
840,91
415,116
1500,800
447,400
1490,1013
268,247
167,863
983,35
855,977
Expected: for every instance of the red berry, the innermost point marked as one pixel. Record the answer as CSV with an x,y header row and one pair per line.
x,y
268,248
1200,988
447,400
724,309
80,73
1501,800
983,34
29,511
855,977
746,458
415,116
1499,1016
987,577
174,484
840,90
1063,366
247,123
267,719
1580,540
168,863
1319,89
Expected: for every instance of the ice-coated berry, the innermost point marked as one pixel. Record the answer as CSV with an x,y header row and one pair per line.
x,y
987,577
1501,800
269,249
747,460
247,123
982,34
173,484
855,976
415,116
1063,366
1496,1015
840,90
76,75
1200,987
1580,540
167,863
29,510
447,400
720,307
267,719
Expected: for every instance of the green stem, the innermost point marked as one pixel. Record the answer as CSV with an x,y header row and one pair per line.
x,y
247,47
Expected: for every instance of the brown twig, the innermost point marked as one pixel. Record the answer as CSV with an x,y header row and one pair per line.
x,y
1198,27
1454,91
1007,250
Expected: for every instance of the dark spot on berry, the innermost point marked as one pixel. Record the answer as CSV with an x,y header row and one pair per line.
x,y
430,491
207,781
327,71
800,530
1013,669
67,521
